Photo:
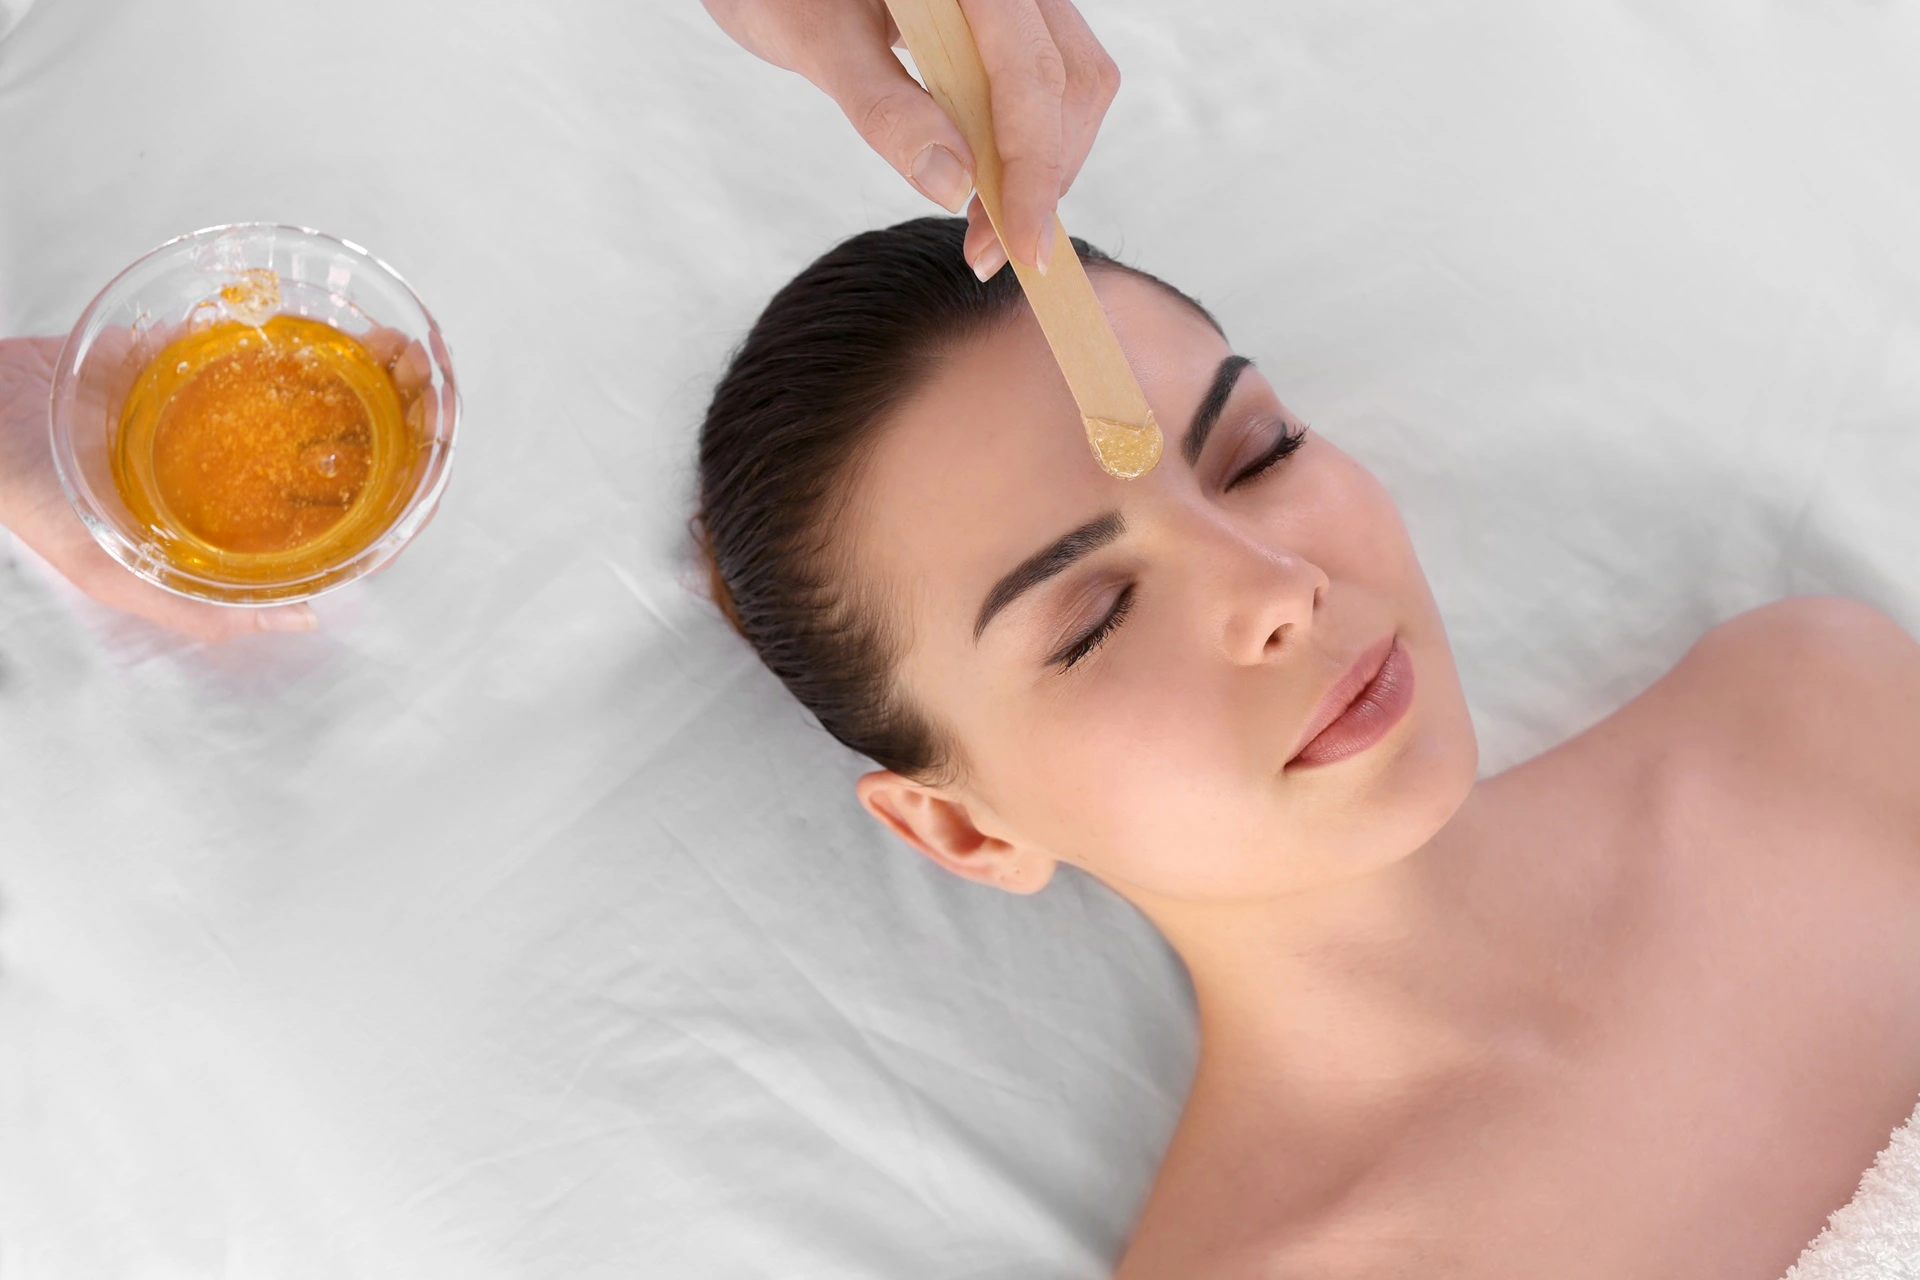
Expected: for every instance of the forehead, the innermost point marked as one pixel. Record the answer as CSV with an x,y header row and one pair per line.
x,y
988,462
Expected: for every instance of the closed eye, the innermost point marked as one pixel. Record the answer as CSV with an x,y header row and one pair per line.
x,y
1290,438
1094,638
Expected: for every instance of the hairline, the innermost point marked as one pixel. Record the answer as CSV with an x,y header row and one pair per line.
x,y
870,595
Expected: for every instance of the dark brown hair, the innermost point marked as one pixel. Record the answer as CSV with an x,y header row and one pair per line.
x,y
836,351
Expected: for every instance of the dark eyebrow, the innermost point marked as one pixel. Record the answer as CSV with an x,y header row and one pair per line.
x,y
1045,563
1210,406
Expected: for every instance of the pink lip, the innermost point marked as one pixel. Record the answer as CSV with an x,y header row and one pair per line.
x,y
1361,708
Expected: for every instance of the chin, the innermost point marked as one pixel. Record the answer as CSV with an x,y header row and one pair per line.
x,y
1437,770
1423,774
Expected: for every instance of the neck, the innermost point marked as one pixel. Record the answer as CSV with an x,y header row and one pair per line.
x,y
1371,991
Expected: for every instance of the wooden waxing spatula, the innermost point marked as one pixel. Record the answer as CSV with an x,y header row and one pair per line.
x,y
1120,427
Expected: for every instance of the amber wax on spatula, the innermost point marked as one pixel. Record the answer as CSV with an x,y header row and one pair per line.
x,y
1120,425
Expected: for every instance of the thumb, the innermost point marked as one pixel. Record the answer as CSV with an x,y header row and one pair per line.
x,y
898,119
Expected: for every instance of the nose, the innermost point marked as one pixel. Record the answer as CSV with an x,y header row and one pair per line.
x,y
1271,598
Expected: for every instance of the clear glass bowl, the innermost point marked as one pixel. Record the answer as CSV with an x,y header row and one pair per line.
x,y
177,286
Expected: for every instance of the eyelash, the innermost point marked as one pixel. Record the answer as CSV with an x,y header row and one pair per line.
x,y
1289,440
1093,639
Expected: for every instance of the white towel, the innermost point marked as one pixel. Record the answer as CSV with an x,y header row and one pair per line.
x,y
1875,1235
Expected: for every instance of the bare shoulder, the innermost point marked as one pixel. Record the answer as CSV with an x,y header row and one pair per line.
x,y
1820,690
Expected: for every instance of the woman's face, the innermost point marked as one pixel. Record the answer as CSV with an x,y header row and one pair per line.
x,y
1133,710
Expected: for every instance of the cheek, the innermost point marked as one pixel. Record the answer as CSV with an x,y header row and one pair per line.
x,y
1409,796
1143,776
1333,511
1160,769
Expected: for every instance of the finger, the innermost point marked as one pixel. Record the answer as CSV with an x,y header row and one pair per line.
x,y
856,66
114,585
1093,78
427,519
207,623
383,344
1027,80
984,252
753,27
411,370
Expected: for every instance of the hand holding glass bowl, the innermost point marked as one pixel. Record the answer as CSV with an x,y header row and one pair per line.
x,y
218,303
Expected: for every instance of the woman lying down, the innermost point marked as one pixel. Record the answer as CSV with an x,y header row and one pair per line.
x,y
1643,1006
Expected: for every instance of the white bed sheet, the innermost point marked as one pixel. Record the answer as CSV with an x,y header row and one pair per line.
x,y
518,925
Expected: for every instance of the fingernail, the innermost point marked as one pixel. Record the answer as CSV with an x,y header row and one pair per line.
x,y
293,617
1045,255
941,177
987,263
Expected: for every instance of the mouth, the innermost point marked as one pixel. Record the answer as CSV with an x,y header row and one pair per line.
x,y
1360,709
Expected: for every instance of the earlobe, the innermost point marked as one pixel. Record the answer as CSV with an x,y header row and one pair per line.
x,y
1025,875
941,828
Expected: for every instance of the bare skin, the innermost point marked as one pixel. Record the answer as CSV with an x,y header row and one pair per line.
x,y
1052,83
1736,1036
1646,1005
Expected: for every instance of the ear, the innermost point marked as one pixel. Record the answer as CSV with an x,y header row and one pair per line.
x,y
942,827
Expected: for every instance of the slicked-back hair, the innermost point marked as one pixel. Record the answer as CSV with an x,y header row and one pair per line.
x,y
835,353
